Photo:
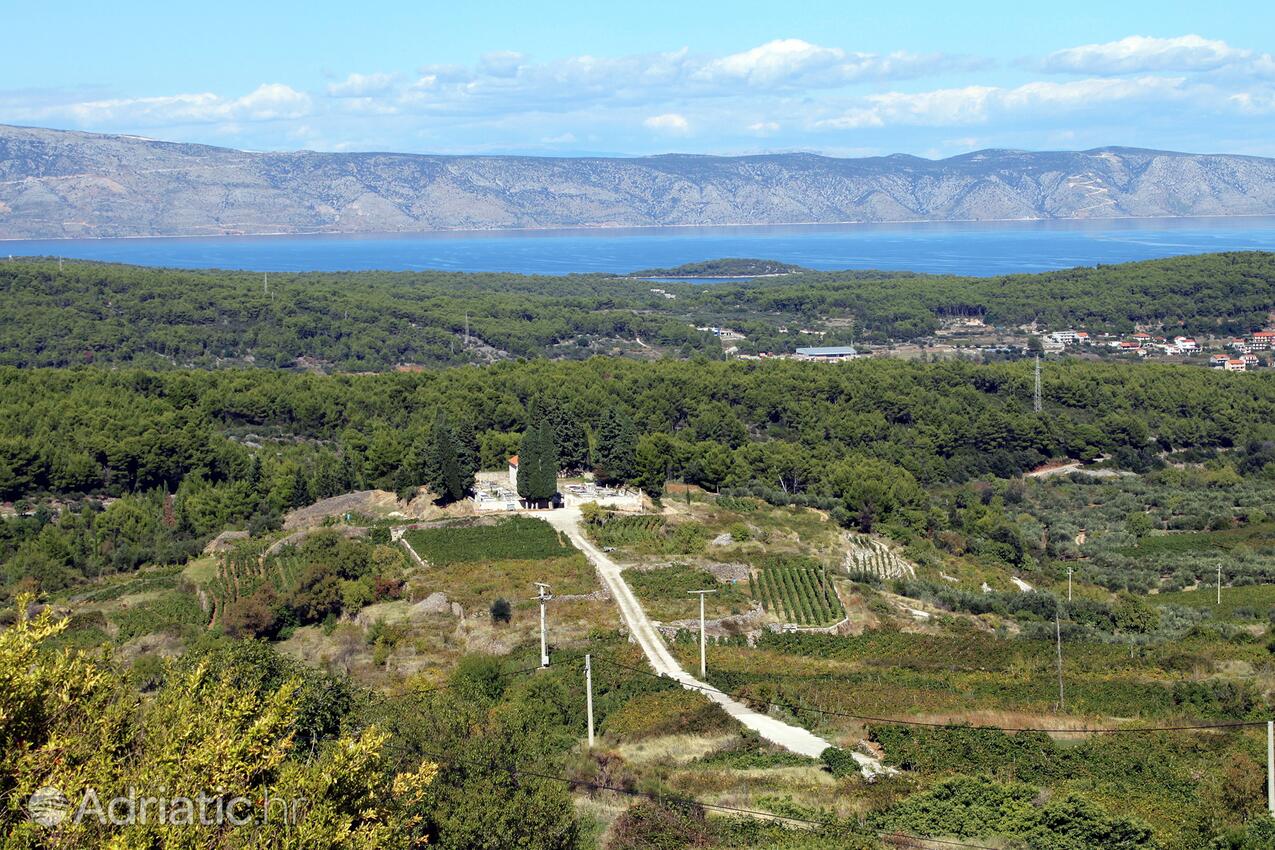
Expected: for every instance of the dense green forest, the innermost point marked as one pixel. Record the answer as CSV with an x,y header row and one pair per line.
x,y
198,451
372,321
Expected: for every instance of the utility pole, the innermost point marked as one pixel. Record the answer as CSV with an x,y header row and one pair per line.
x,y
265,283
466,327
1068,582
1036,394
1219,582
1062,704
544,596
703,639
1270,766
588,692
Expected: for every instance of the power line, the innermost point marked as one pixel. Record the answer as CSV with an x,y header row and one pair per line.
x,y
502,675
937,725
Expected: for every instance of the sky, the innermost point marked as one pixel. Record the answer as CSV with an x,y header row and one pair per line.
x,y
932,79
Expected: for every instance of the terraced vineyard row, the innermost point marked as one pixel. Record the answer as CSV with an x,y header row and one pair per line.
x,y
871,556
798,593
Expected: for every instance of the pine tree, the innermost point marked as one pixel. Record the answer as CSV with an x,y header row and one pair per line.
x,y
569,438
254,474
617,449
300,488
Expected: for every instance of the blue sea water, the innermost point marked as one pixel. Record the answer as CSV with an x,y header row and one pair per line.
x,y
985,248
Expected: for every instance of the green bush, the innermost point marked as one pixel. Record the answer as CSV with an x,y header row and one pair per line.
x,y
839,762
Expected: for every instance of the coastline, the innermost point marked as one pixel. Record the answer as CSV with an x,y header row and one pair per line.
x,y
604,228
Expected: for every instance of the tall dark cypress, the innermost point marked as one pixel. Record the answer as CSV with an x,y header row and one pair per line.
x,y
537,464
443,468
617,448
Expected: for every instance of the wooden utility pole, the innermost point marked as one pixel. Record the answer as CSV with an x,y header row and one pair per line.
x,y
588,693
1270,766
1062,702
703,639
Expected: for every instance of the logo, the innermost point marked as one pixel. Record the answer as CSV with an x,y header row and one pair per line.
x,y
47,806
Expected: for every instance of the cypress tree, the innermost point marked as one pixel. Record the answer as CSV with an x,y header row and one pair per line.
x,y
537,464
443,473
617,449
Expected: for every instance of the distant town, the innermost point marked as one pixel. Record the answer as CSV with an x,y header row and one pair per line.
x,y
971,337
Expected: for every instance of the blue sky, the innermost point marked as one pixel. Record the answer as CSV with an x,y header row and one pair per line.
x,y
565,78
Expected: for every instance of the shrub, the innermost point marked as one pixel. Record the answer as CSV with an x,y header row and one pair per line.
x,y
839,762
501,611
663,825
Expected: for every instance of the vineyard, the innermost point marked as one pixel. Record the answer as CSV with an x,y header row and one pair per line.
x,y
626,530
869,556
513,539
800,593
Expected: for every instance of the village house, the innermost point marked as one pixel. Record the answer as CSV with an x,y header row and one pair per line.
x,y
1234,365
1262,340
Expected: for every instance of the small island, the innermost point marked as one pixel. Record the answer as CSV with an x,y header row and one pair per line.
x,y
729,267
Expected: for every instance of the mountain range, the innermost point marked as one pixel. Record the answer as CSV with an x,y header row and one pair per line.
x,y
56,183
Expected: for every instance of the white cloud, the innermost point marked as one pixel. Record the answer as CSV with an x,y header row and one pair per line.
x,y
1253,102
510,80
977,104
268,102
363,85
764,128
669,122
791,61
772,62
500,63
1140,54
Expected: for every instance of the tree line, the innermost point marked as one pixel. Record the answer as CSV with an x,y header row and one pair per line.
x,y
79,312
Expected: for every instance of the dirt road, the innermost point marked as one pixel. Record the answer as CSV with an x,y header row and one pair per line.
x,y
792,738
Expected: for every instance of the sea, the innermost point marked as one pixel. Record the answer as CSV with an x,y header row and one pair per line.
x,y
975,248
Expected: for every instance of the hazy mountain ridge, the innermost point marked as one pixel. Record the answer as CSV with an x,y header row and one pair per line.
x,y
65,184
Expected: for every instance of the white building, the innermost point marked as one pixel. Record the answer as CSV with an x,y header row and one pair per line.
x,y
827,353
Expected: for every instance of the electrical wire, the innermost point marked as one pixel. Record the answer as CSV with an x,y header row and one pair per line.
x,y
502,675
669,798
937,725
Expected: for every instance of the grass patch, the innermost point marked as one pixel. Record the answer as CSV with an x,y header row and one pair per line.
x,y
665,593
170,609
669,712
1203,541
1234,599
